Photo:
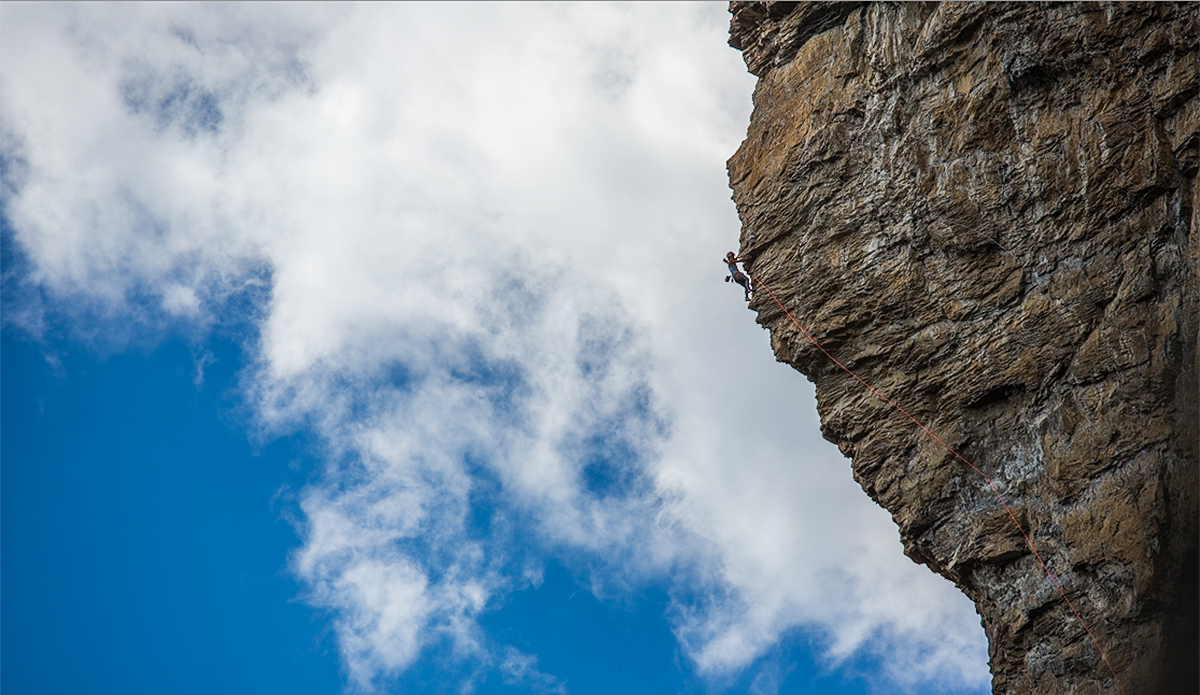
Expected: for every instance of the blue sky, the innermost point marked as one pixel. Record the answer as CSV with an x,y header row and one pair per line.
x,y
385,349
144,539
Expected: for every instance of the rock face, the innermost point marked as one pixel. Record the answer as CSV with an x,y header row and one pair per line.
x,y
988,212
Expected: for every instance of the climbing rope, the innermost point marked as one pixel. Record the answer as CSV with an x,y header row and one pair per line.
x,y
1028,541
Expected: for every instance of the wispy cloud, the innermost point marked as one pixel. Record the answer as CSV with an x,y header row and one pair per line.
x,y
521,670
486,241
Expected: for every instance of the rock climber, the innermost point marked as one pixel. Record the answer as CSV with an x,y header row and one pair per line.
x,y
738,276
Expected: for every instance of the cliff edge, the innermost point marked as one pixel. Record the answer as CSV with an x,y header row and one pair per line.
x,y
988,212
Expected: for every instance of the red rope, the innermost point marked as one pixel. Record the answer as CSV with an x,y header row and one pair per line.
x,y
960,457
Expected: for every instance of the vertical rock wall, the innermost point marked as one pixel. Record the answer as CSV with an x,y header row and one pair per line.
x,y
988,211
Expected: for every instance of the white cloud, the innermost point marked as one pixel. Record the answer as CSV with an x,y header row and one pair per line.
x,y
521,670
491,236
180,301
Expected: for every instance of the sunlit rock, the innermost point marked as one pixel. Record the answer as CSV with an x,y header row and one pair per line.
x,y
988,212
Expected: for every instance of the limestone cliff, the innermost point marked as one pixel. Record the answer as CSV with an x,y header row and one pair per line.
x,y
988,212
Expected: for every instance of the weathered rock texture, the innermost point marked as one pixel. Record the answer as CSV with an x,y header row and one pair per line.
x,y
988,211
